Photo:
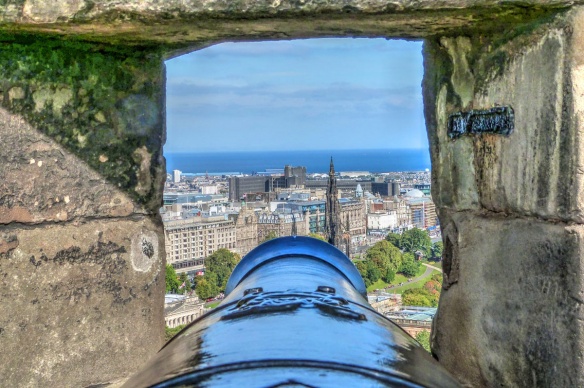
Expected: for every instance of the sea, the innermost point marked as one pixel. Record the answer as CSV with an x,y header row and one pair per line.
x,y
375,161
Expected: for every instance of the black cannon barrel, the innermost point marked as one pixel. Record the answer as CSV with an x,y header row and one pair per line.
x,y
295,315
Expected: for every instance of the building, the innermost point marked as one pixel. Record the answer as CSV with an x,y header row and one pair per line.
x,y
176,176
353,218
345,219
423,212
282,224
270,181
313,211
188,242
385,189
384,302
239,186
295,176
190,199
382,221
181,310
355,174
402,209
209,189
413,319
342,184
422,209
246,230
423,187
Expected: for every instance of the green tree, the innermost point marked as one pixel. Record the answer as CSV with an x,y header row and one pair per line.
x,y
394,239
437,249
221,263
423,337
172,283
369,271
419,297
385,255
373,272
409,266
183,278
362,268
171,332
416,240
317,236
388,276
270,236
206,288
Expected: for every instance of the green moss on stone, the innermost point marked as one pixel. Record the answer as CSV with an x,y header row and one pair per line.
x,y
96,103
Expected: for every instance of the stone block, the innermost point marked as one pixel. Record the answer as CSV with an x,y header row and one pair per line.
x,y
41,181
105,107
510,313
537,170
82,303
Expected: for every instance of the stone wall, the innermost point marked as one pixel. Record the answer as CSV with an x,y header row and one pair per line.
x,y
510,207
81,168
81,244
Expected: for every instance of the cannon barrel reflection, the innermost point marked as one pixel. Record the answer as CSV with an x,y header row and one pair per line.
x,y
295,314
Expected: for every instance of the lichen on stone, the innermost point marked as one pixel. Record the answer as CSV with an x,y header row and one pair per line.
x,y
100,102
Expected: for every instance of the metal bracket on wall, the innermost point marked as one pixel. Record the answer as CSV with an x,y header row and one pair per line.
x,y
498,120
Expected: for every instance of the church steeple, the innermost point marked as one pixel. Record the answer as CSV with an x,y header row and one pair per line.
x,y
332,225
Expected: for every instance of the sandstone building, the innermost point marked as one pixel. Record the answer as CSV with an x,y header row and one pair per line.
x,y
188,242
246,230
281,225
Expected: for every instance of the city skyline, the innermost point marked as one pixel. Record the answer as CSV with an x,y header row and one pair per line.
x,y
289,95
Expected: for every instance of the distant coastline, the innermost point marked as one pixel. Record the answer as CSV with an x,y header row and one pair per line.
x,y
315,161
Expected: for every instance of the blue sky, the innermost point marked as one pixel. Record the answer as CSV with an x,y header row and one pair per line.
x,y
296,95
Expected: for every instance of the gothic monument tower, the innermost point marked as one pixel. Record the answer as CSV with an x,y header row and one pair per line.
x,y
332,225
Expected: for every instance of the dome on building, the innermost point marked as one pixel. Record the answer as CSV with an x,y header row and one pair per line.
x,y
414,193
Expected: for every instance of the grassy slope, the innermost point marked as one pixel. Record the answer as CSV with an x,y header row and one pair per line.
x,y
417,284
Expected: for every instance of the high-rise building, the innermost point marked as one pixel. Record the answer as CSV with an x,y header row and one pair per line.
x,y
176,176
295,176
239,186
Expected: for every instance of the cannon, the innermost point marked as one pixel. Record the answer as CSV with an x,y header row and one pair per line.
x,y
295,314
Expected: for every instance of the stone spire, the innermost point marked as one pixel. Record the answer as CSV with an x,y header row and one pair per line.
x,y
332,225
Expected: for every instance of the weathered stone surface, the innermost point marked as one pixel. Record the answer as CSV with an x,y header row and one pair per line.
x,y
105,106
512,313
74,10
201,22
41,181
536,171
81,303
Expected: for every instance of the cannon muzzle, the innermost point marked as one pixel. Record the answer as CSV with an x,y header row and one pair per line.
x,y
295,314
